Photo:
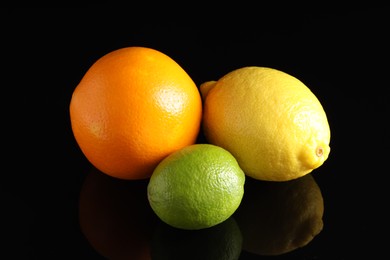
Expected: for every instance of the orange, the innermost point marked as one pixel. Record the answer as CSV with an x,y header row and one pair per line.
x,y
132,108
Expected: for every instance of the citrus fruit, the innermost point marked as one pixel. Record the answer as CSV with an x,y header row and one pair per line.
x,y
133,107
196,187
270,121
278,217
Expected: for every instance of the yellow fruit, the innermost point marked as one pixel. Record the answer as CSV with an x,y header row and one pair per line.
x,y
279,217
196,187
270,121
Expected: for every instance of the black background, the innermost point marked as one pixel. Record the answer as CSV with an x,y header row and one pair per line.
x,y
341,54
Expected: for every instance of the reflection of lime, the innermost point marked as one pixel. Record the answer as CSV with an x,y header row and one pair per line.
x,y
220,242
115,216
279,217
196,187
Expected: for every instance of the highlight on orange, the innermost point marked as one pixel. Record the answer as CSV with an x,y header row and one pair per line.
x,y
132,108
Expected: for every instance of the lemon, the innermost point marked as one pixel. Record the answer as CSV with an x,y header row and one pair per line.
x,y
270,121
196,187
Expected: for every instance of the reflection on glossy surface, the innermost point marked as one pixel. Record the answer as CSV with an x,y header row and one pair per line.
x,y
274,218
115,216
279,217
220,242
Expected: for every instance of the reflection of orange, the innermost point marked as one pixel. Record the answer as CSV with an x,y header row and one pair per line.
x,y
115,216
132,108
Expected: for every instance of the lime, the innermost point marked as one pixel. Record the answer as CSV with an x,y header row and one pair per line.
x,y
196,187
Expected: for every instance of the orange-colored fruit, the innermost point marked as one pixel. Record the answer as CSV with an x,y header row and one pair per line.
x,y
132,108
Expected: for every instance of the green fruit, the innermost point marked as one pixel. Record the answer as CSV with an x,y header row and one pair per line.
x,y
196,187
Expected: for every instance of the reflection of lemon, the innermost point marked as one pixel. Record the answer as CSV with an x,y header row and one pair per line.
x,y
220,242
269,120
115,216
196,187
279,217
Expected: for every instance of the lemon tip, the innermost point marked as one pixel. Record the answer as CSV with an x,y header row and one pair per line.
x,y
320,151
205,87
